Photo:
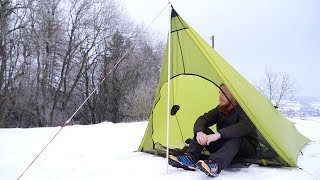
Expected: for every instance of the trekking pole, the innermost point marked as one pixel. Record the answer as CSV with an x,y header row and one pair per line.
x,y
168,98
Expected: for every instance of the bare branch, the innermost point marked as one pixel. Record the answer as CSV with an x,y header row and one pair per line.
x,y
277,87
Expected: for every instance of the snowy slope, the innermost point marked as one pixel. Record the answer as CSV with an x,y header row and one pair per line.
x,y
107,151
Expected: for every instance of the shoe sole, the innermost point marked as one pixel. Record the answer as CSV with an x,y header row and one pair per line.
x,y
175,163
202,166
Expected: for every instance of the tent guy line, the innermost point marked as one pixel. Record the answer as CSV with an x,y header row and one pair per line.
x,y
95,89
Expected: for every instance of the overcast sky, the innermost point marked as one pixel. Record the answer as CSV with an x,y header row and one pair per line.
x,y
252,35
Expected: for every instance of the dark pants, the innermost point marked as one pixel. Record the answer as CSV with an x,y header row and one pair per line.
x,y
222,151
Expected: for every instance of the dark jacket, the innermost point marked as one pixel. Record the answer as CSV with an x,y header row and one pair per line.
x,y
235,124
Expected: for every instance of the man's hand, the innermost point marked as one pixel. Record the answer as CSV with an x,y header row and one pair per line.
x,y
202,138
213,137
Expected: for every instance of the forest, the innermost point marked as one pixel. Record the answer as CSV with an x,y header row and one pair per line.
x,y
57,55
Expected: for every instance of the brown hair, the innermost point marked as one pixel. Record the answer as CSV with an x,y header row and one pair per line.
x,y
232,100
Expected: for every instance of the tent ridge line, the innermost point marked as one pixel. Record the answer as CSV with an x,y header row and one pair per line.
x,y
182,58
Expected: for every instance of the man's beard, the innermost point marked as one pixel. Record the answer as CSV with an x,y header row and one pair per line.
x,y
226,108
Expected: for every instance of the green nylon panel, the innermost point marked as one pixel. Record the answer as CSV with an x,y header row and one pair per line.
x,y
195,96
190,54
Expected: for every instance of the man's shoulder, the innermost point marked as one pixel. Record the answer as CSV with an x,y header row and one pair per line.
x,y
241,112
214,110
238,108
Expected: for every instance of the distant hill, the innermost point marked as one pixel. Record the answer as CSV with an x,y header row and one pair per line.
x,y
302,107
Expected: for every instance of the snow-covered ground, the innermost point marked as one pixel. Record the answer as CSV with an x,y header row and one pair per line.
x,y
107,151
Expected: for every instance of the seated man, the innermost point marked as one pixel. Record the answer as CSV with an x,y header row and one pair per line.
x,y
236,137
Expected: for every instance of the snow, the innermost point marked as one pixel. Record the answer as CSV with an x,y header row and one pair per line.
x,y
292,105
315,105
107,150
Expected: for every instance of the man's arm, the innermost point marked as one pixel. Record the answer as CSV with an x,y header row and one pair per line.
x,y
206,120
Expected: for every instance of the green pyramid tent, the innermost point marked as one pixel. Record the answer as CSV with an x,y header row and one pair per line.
x,y
196,71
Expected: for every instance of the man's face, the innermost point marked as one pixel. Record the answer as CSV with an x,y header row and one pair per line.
x,y
222,98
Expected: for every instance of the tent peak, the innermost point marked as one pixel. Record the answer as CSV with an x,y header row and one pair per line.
x,y
173,13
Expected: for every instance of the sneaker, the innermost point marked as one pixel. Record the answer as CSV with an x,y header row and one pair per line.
x,y
209,167
183,161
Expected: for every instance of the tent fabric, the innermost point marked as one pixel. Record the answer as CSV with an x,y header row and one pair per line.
x,y
197,70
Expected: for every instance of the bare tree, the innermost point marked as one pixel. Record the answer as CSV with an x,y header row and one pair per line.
x,y
127,95
46,31
13,58
103,22
277,87
149,55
